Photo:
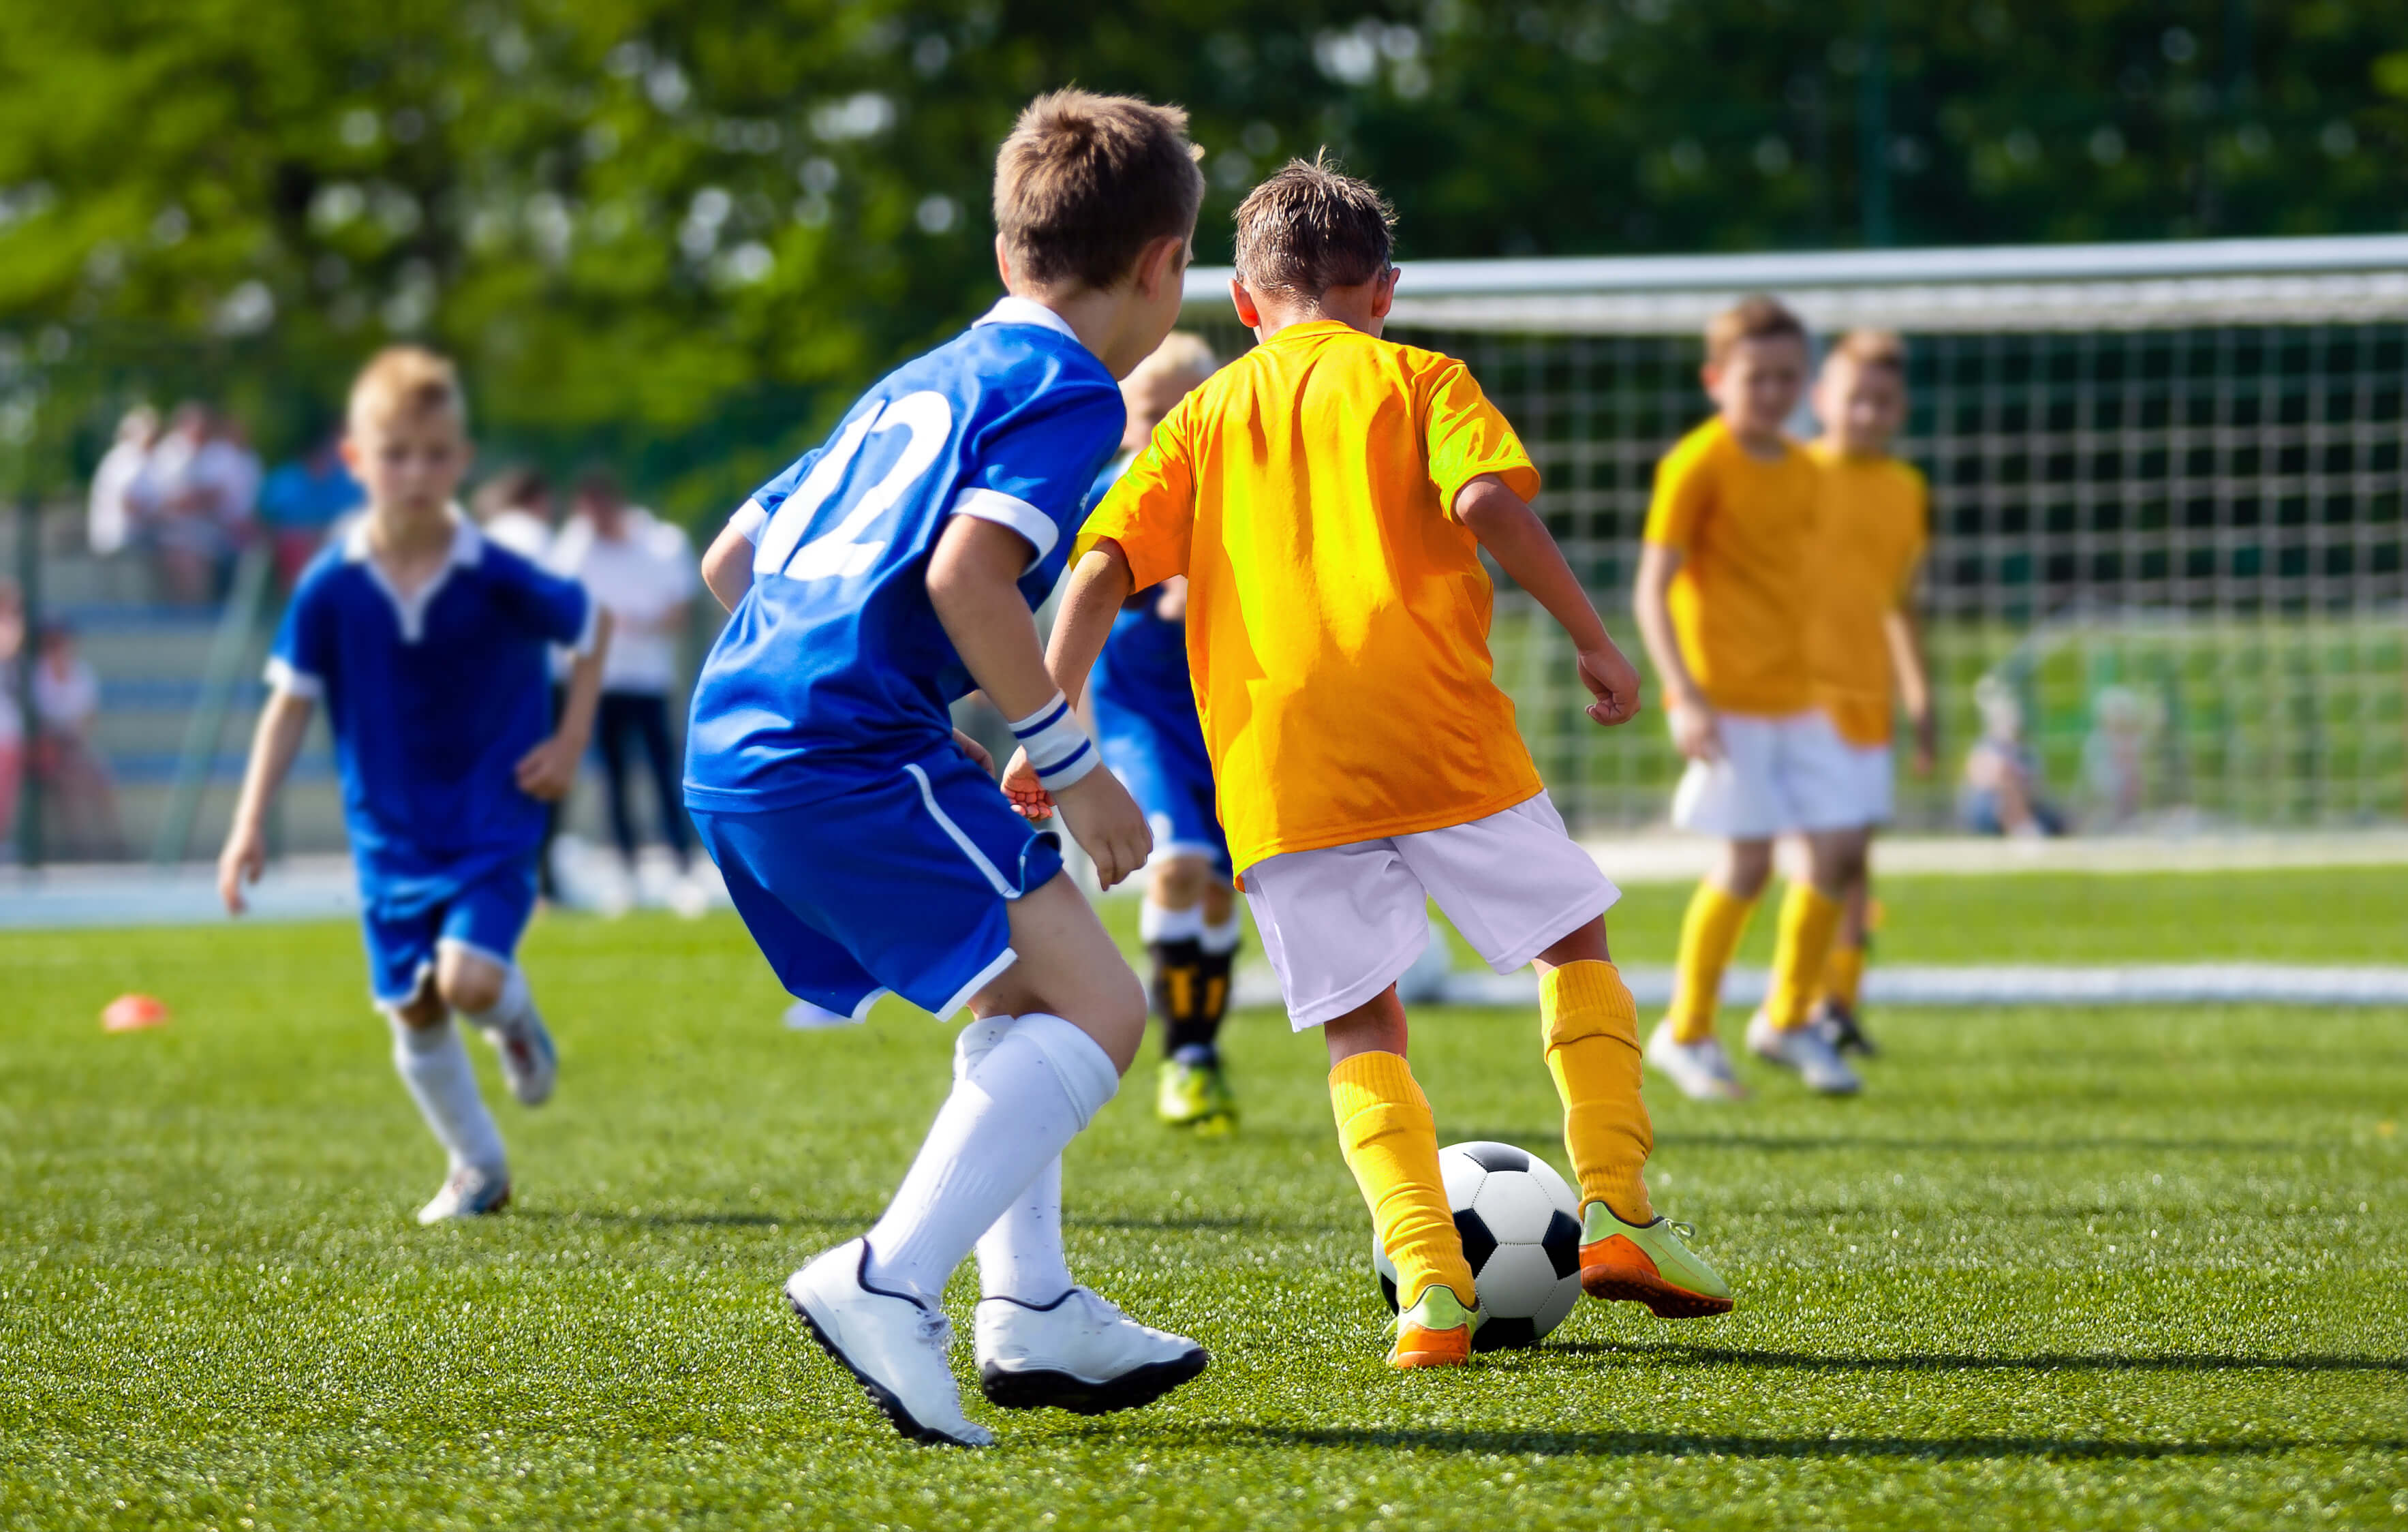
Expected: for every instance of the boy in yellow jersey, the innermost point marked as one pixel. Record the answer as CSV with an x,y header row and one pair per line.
x,y
1327,496
1870,530
1726,586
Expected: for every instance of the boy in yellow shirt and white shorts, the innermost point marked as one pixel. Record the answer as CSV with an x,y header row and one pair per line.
x,y
1862,647
1327,496
1726,592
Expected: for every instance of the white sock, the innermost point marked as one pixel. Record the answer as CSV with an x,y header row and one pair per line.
x,y
1013,1113
514,1002
1020,1255
1155,923
433,1064
1224,937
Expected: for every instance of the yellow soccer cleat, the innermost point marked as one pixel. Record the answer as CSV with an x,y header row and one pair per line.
x,y
1194,1094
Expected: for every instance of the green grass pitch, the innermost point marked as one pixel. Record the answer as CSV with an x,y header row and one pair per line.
x,y
2066,1268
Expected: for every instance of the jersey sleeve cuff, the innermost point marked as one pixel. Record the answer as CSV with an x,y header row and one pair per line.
x,y
1011,511
591,630
283,678
749,519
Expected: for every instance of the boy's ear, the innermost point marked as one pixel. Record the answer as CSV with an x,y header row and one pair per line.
x,y
1003,262
1248,315
1163,262
348,447
1383,293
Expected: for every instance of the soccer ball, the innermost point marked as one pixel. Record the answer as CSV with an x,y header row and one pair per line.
x,y
1521,1231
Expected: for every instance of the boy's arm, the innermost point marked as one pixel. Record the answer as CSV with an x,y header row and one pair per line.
x,y
283,725
1524,550
974,584
728,565
1099,582
1693,721
550,770
1905,636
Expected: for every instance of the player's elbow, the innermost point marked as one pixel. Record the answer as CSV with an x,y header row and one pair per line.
x,y
1489,510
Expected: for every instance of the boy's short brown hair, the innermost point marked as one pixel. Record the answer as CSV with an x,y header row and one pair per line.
x,y
1871,348
1086,182
1757,317
406,380
1309,229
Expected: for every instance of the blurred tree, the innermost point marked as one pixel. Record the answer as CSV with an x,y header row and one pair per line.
x,y
678,233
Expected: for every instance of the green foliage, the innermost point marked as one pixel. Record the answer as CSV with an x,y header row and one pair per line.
x,y
681,233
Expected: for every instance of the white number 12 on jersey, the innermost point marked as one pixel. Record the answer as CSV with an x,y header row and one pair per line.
x,y
840,550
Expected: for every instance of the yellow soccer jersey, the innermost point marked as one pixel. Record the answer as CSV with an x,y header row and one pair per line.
x,y
1337,611
1744,527
1871,531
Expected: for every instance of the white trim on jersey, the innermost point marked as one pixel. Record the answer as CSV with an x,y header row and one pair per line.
x,y
748,520
282,677
1010,309
1012,511
592,631
954,832
467,547
986,976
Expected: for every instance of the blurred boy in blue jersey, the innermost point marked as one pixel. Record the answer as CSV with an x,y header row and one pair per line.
x,y
1144,709
884,575
428,646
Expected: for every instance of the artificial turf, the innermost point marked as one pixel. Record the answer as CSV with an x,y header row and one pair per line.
x,y
2057,1268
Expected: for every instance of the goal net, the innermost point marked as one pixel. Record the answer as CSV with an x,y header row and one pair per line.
x,y
2167,488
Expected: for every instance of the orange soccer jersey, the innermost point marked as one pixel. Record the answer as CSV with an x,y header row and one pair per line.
x,y
1869,534
1744,527
1337,611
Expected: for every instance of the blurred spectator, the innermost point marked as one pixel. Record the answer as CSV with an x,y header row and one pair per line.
x,y
642,571
80,798
198,494
12,717
2003,793
113,520
301,500
514,509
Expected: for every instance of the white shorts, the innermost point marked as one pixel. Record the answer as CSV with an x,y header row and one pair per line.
x,y
1776,776
1873,784
1341,924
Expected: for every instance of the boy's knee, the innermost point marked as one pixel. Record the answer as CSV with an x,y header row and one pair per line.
x,y
1179,882
421,1012
1746,867
472,985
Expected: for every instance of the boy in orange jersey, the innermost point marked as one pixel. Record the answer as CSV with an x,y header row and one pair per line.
x,y
1726,588
1327,496
1871,529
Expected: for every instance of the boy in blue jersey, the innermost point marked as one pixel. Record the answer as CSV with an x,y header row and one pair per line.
x,y
428,646
884,575
1143,705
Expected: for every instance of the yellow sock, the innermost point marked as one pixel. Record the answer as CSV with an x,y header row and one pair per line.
x,y
1844,974
1390,1141
1592,1035
1808,922
1710,934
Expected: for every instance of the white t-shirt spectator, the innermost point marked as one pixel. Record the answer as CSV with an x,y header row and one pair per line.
x,y
227,475
641,577
521,531
111,510
66,704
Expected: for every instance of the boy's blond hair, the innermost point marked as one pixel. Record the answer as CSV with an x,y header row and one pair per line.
x,y
1757,317
405,381
1086,182
1870,349
1309,229
1182,355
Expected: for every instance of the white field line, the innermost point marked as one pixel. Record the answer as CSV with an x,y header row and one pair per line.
x,y
1663,857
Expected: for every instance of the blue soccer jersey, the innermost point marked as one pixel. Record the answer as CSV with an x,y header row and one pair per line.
x,y
432,698
833,670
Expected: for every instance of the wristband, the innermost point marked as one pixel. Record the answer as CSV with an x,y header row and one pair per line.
x,y
1057,746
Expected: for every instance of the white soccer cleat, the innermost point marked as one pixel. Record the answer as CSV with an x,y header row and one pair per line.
x,y
1078,1353
1702,1069
467,1193
893,1345
530,1064
688,898
1805,1050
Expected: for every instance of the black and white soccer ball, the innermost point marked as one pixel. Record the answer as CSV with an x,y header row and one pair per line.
x,y
1521,1231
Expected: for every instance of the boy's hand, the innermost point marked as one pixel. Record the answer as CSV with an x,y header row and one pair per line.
x,y
975,751
1030,799
1694,733
1612,679
550,770
1108,824
243,860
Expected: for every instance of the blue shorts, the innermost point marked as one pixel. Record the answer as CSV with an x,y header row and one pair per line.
x,y
902,885
1164,768
486,914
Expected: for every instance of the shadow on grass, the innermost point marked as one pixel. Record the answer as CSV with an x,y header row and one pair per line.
x,y
1686,1354
693,1220
1675,1444
1796,1143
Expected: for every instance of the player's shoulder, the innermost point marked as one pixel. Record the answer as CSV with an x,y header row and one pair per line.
x,y
1702,447
336,572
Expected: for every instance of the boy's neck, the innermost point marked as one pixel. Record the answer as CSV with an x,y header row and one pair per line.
x,y
1862,451
1105,320
1349,306
1764,446
409,529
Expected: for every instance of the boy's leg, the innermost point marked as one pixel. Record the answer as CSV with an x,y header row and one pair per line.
x,y
478,975
433,1067
613,721
1810,918
1171,922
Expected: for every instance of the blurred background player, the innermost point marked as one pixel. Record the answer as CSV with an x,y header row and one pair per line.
x,y
428,645
1143,706
1328,496
872,584
1871,527
1725,594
